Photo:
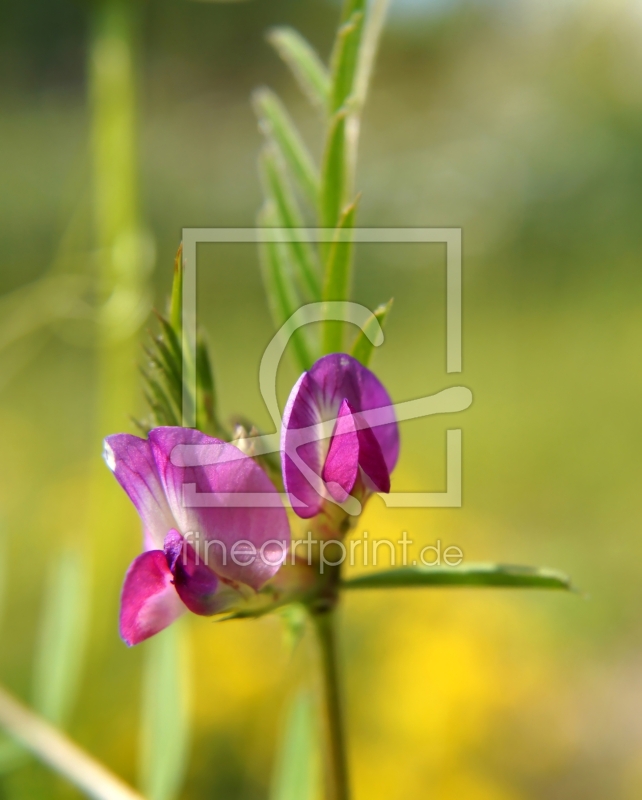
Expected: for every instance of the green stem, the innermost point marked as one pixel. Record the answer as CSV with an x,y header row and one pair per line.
x,y
123,262
336,768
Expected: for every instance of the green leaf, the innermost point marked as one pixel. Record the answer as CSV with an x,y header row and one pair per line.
x,y
372,29
62,639
163,362
297,769
176,300
278,127
501,575
364,343
282,299
165,725
172,339
336,285
166,412
351,7
289,216
333,172
206,406
305,64
344,60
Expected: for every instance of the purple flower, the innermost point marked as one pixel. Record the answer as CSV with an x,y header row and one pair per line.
x,y
339,434
194,555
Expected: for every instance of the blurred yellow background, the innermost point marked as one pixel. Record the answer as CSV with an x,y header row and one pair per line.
x,y
519,122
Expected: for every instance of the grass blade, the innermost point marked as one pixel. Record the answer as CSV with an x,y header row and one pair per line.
x,y
61,646
12,754
165,715
344,60
297,772
304,63
333,173
4,560
289,216
366,340
53,748
489,575
282,298
278,126
336,285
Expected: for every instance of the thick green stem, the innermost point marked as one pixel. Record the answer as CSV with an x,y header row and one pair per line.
x,y
336,768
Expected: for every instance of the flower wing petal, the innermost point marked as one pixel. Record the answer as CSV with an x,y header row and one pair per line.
x,y
130,459
371,460
211,500
303,447
149,602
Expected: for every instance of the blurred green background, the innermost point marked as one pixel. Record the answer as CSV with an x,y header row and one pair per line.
x,y
521,123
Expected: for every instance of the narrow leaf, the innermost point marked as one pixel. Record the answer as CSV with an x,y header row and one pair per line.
x,y
289,216
170,370
206,408
166,411
344,60
297,769
172,339
279,127
500,575
364,343
351,7
165,715
336,285
372,29
282,299
305,64
176,300
333,173
63,633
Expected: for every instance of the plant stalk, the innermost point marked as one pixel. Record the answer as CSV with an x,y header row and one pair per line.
x,y
336,767
53,748
122,265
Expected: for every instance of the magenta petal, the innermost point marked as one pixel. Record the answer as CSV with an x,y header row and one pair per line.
x,y
342,464
149,602
371,460
130,459
317,398
302,418
214,515
195,583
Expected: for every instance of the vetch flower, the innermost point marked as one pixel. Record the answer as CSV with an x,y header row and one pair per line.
x,y
195,555
339,435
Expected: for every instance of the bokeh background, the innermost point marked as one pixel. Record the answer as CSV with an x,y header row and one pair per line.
x,y
520,122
